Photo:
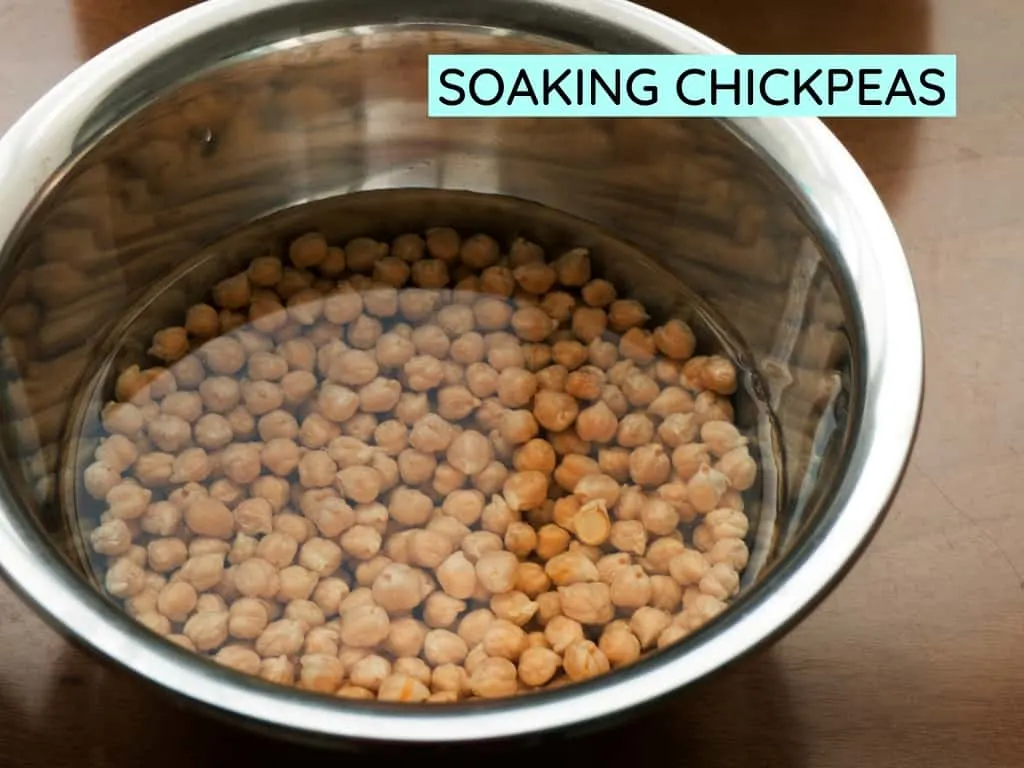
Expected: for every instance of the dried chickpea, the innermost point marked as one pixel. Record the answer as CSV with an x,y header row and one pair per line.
x,y
619,645
537,666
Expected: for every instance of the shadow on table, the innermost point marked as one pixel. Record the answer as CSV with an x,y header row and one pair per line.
x,y
98,717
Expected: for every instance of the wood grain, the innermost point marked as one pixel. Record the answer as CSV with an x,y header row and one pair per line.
x,y
914,660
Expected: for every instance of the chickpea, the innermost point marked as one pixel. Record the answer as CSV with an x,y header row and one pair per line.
x,y
160,519
516,387
364,626
514,607
416,467
729,551
587,602
164,555
114,538
503,639
188,372
631,588
397,588
705,488
176,601
555,411
675,340
316,469
647,623
738,467
496,571
660,553
552,540
207,630
588,324
573,267
209,517
619,645
597,423
169,344
247,618
405,637
457,576
568,354
649,466
532,324
525,490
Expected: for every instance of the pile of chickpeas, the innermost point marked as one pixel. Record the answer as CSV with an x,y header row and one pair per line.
x,y
426,471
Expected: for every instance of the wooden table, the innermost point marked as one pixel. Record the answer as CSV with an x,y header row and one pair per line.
x,y
912,660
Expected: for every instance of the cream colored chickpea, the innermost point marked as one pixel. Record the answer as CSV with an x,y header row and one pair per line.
x,y
283,637
305,612
587,602
361,542
397,588
161,518
619,645
441,610
647,623
417,304
364,626
209,517
660,553
369,570
583,660
570,568
225,491
450,679
414,668
494,678
154,622
247,618
739,468
482,379
532,324
416,467
537,666
442,646
405,637
729,551
469,348
705,488
117,453
364,331
666,594
402,687
369,672
721,581
631,588
496,571
708,406
207,630
127,501
514,606
629,536
113,538
360,484
525,490
257,578
457,576
188,372
476,544
164,555
100,479
649,466
503,639
423,372
176,601
278,670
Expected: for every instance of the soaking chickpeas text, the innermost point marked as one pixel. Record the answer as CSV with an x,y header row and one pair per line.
x,y
426,471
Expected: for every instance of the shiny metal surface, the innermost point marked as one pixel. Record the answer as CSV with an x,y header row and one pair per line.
x,y
239,108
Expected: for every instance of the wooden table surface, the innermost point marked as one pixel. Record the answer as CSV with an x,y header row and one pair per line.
x,y
911,661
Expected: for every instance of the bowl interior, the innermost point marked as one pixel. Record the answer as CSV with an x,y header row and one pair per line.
x,y
301,120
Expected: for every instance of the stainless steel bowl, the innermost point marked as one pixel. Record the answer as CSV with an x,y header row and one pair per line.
x,y
238,109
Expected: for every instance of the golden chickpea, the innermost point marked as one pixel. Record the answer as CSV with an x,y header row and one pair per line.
x,y
321,556
525,490
675,340
532,324
588,324
535,277
410,247
597,423
496,571
614,462
503,639
671,400
647,623
573,267
493,678
405,637
552,540
369,672
491,478
201,321
555,411
441,610
570,355
442,646
522,251
360,484
570,568
316,469
281,456
583,660
708,406
430,274
457,576
451,679
721,581
169,344
414,668
520,538
559,305
207,630
619,645
649,466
